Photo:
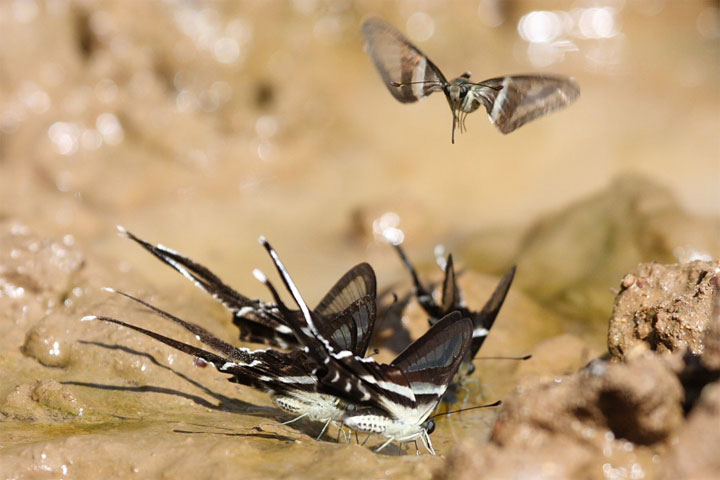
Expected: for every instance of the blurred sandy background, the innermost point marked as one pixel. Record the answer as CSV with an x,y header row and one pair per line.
x,y
204,124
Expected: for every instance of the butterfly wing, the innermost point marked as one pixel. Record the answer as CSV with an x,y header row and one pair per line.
x,y
484,319
407,72
430,362
352,328
423,295
450,292
513,101
357,282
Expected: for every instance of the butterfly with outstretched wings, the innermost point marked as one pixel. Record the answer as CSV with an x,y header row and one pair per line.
x,y
510,101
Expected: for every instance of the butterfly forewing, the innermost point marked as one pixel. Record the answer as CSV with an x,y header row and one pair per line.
x,y
520,99
430,362
399,62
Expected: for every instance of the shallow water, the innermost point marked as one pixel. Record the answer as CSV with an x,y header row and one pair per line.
x,y
202,126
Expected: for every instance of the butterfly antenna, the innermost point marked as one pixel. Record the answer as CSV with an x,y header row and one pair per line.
x,y
526,357
423,82
495,404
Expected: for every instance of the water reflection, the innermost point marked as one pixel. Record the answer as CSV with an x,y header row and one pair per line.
x,y
387,228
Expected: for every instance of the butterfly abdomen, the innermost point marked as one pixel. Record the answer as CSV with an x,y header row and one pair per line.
x,y
367,423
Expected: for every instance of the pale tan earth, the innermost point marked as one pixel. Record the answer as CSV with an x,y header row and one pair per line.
x,y
203,125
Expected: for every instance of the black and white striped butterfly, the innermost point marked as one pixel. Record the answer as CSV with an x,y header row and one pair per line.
x,y
288,377
451,300
259,321
511,101
394,400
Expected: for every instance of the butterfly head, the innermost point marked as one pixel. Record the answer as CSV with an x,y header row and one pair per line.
x,y
457,90
429,426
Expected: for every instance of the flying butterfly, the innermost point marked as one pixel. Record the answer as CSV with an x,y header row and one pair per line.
x,y
511,101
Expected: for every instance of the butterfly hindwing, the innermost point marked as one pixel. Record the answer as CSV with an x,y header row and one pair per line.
x,y
257,321
450,292
485,318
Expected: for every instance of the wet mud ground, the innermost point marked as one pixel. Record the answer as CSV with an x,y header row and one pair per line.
x,y
202,126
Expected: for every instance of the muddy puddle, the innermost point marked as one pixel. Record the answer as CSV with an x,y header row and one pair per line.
x,y
202,126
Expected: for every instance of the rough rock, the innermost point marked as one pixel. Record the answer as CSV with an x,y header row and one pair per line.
x,y
695,454
558,460
606,420
667,307
639,401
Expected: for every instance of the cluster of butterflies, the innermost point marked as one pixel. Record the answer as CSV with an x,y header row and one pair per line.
x,y
510,101
319,370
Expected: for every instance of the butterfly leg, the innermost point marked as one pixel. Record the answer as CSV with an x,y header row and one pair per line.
x,y
389,441
284,423
324,429
454,113
341,430
417,450
357,438
426,441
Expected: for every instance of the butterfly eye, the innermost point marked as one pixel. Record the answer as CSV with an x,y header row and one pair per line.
x,y
429,426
